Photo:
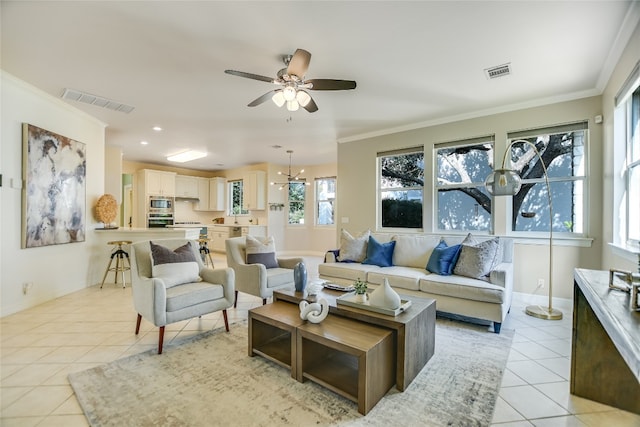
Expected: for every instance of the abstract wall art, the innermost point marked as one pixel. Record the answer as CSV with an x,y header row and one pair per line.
x,y
54,191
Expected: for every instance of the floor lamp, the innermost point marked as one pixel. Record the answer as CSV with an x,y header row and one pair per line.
x,y
506,182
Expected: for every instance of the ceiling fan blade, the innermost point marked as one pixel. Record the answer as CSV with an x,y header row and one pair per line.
x,y
299,63
267,96
250,76
311,106
330,84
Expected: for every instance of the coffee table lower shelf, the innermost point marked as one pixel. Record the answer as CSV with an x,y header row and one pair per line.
x,y
351,358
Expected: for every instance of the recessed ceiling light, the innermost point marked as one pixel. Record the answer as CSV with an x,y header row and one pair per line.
x,y
157,128
187,156
144,142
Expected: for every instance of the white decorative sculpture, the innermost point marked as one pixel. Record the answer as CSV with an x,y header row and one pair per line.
x,y
315,312
385,296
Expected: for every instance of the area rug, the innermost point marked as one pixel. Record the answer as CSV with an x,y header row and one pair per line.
x,y
209,380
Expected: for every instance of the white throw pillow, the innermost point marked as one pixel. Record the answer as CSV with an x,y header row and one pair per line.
x,y
413,251
174,267
261,250
353,248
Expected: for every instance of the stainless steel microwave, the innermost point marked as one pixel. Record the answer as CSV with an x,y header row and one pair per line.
x,y
157,204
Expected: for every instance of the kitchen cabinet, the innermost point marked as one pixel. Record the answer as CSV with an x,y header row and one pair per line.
x,y
157,183
187,186
216,194
254,230
254,190
210,194
217,234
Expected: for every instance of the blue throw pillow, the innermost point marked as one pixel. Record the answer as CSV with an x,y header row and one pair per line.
x,y
380,254
443,259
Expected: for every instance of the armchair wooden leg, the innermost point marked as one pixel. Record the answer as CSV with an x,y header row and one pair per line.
x,y
138,323
226,321
160,339
235,302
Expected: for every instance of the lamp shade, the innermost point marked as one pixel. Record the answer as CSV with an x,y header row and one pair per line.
x,y
289,93
503,182
278,98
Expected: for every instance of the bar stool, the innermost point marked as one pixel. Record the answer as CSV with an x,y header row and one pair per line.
x,y
205,253
120,256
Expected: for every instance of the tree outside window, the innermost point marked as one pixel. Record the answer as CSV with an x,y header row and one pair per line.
x,y
401,188
325,201
563,152
462,201
296,202
235,198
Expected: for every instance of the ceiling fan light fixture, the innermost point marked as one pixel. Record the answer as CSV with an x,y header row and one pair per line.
x,y
293,105
303,98
278,98
289,93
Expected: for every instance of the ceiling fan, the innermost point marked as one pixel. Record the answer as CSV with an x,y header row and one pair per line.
x,y
293,91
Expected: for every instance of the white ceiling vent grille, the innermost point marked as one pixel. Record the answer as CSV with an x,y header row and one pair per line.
x,y
499,71
87,98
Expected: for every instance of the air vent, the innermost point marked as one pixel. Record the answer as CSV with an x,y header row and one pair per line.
x,y
98,101
499,71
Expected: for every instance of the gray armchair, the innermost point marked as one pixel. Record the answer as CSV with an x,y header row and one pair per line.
x,y
162,305
256,279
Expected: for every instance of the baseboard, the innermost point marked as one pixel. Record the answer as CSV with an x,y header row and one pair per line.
x,y
543,300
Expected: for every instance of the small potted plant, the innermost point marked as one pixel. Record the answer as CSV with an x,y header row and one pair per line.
x,y
360,289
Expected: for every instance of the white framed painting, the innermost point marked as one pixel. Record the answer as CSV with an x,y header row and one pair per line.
x,y
54,191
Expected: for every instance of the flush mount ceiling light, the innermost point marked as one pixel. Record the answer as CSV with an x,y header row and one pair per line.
x,y
290,177
187,156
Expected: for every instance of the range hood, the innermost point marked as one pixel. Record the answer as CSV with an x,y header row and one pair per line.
x,y
189,199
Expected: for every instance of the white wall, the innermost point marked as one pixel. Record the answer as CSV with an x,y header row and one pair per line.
x,y
53,270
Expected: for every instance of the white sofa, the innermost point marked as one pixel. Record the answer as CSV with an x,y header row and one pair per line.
x,y
488,298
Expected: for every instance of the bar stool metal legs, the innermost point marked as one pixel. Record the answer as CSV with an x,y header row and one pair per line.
x,y
122,261
205,253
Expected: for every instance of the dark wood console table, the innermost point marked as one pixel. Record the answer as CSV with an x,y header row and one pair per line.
x,y
605,354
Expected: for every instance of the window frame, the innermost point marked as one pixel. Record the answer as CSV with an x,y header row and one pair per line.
x,y
230,191
584,179
319,200
298,182
380,190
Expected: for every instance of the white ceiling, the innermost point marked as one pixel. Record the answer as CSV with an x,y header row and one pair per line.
x,y
414,62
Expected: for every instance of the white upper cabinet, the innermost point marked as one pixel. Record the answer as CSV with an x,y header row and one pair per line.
x,y
187,186
254,190
157,183
216,194
210,194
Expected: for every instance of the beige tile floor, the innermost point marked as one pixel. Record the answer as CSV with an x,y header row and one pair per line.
x,y
40,346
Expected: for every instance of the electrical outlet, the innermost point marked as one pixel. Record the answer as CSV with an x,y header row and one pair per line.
x,y
540,283
26,287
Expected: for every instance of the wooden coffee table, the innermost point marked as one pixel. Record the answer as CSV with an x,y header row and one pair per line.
x,y
413,330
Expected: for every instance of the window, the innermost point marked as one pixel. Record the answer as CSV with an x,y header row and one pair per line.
x,y
401,177
235,198
462,201
627,161
633,168
562,149
325,200
296,201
